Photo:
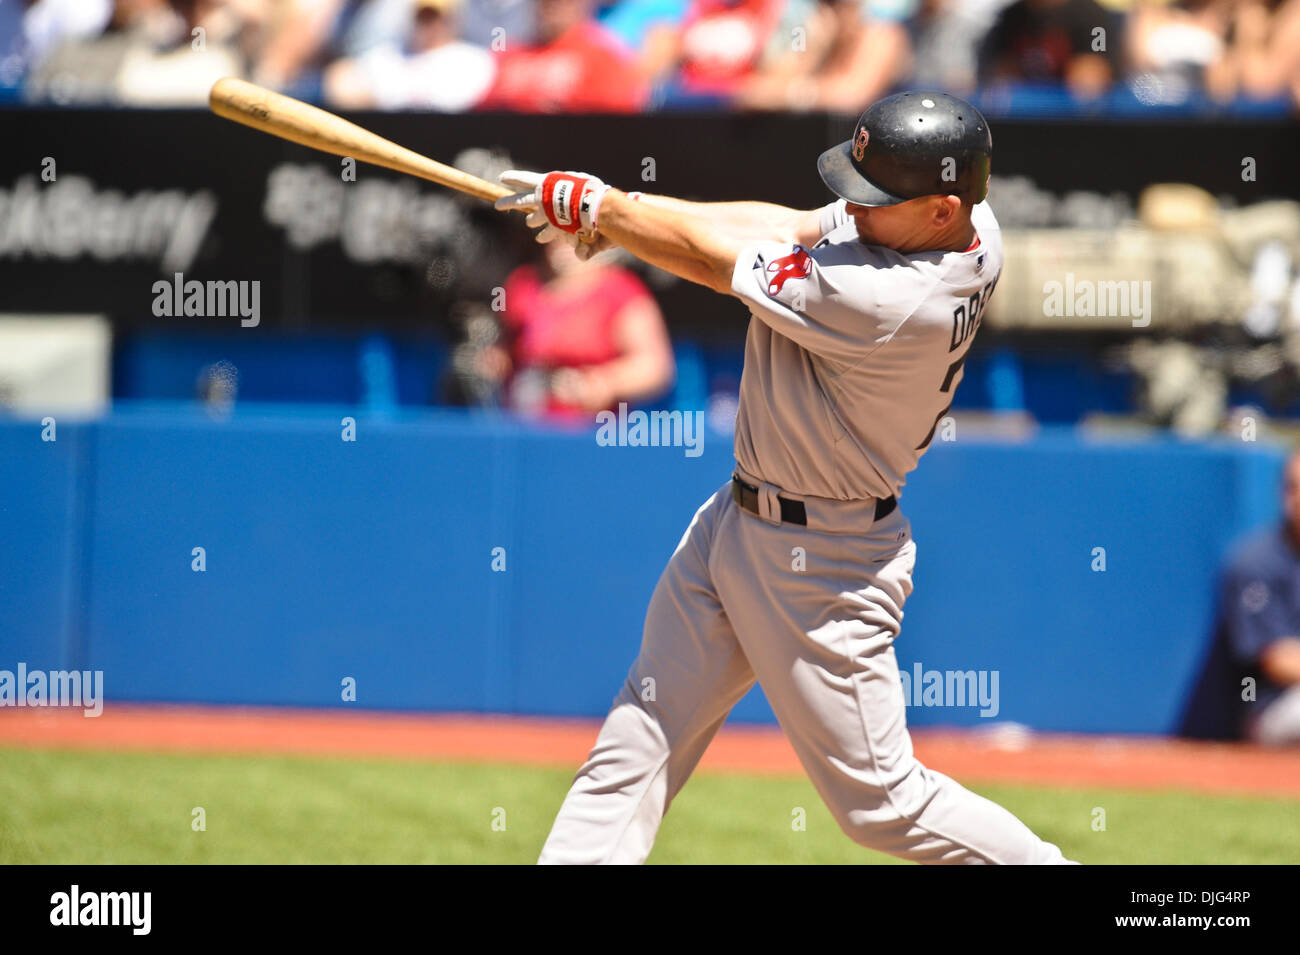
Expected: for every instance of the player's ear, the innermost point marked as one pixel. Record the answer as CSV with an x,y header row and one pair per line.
x,y
945,209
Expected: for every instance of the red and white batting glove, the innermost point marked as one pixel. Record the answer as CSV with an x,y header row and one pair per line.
x,y
564,201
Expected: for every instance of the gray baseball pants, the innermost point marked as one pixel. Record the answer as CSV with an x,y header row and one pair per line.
x,y
812,613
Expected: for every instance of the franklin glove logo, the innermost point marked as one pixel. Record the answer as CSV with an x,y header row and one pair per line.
x,y
560,201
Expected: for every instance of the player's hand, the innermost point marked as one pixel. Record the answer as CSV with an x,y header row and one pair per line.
x,y
584,249
566,201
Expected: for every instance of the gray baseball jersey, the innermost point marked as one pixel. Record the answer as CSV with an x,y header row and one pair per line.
x,y
864,345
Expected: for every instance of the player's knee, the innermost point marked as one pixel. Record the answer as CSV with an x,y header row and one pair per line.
x,y
875,827
881,814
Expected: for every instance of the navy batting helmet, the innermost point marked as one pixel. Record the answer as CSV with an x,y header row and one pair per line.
x,y
911,145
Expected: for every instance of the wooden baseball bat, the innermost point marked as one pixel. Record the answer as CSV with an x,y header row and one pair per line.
x,y
307,125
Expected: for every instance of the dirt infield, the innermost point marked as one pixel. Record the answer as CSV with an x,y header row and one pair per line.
x,y
1004,754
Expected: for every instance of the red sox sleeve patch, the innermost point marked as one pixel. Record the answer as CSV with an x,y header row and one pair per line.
x,y
796,265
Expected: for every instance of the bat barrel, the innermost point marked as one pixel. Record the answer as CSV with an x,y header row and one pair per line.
x,y
283,116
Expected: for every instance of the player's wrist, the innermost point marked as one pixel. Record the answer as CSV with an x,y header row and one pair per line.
x,y
617,206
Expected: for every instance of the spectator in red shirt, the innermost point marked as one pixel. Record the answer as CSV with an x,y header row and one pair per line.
x,y
574,66
583,336
715,49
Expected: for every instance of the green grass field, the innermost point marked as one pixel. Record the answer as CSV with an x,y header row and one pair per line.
x,y
69,807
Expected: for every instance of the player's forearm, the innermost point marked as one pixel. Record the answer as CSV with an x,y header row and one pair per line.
x,y
677,241
745,219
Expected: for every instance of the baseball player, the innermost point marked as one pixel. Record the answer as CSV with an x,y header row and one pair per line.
x,y
795,571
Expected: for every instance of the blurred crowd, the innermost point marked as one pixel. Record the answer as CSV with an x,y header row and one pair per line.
x,y
631,55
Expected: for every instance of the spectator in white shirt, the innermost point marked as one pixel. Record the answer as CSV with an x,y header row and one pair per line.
x,y
435,71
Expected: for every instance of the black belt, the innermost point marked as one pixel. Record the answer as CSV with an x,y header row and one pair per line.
x,y
793,512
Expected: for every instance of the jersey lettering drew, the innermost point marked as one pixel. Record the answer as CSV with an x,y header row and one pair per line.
x,y
967,315
966,318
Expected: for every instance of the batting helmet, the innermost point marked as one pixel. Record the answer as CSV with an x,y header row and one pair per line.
x,y
911,145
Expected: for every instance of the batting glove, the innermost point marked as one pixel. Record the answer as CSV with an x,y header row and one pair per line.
x,y
563,201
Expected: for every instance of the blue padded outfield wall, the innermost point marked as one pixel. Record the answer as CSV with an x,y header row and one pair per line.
x,y
372,559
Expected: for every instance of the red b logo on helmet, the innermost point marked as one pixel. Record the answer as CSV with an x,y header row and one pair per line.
x,y
860,145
